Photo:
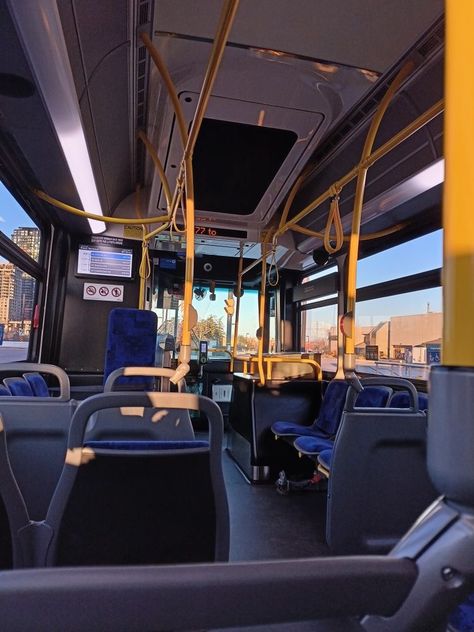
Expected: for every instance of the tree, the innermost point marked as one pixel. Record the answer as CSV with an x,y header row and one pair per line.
x,y
211,329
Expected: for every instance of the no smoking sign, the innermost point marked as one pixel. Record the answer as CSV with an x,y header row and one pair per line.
x,y
103,292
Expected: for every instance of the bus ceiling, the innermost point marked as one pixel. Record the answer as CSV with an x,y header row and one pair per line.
x,y
256,137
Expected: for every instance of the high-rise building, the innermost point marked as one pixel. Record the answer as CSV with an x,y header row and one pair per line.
x,y
28,239
7,273
21,305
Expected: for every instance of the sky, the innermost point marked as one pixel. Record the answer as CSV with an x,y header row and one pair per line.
x,y
11,214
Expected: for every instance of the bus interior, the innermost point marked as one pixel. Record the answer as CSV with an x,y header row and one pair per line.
x,y
234,315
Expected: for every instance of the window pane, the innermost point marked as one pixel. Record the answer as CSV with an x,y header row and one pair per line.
x,y
399,335
16,224
320,273
17,300
412,257
319,334
212,322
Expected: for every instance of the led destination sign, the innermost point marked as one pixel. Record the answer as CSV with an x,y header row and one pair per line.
x,y
211,231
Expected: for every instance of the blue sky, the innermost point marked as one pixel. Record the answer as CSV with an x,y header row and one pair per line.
x,y
418,255
11,214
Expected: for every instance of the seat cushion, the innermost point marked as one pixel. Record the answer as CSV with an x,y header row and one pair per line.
x,y
312,446
325,457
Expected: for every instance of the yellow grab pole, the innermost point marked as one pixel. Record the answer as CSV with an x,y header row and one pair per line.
x,y
458,218
102,218
261,313
159,167
162,69
379,153
381,233
225,24
237,307
357,214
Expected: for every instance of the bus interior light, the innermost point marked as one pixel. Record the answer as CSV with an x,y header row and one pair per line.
x,y
40,30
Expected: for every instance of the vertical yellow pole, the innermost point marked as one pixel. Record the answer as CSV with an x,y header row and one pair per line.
x,y
261,313
458,215
349,362
237,307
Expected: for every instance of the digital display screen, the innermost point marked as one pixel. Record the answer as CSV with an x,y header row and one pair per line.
x,y
106,261
167,263
203,347
209,231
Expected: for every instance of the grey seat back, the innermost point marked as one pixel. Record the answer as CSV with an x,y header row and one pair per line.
x,y
139,502
379,481
37,429
13,513
146,424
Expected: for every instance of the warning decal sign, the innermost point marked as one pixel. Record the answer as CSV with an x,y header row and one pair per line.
x,y
103,292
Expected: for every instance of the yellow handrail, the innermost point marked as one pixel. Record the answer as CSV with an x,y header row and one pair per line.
x,y
225,24
237,307
270,359
162,69
261,313
380,233
159,167
379,153
103,218
349,364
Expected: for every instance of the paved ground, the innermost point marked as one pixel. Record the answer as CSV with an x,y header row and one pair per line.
x,y
13,351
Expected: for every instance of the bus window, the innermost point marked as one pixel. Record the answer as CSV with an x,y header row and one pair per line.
x,y
418,255
18,289
319,274
212,322
399,335
319,334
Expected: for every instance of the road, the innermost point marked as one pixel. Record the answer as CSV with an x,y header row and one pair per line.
x,y
13,351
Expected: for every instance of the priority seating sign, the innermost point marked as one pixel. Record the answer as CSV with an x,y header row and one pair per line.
x,y
103,292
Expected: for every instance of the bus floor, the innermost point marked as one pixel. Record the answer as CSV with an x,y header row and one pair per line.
x,y
265,525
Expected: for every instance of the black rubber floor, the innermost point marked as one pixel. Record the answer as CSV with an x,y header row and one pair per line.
x,y
265,525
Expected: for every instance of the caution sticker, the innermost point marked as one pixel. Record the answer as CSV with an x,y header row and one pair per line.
x,y
103,292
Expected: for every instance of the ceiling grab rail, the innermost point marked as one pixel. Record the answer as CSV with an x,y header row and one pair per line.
x,y
190,316
349,317
435,110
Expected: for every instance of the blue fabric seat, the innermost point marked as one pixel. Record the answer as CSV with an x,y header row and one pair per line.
x,y
401,399
18,387
4,391
370,397
311,444
325,458
37,383
131,341
328,419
